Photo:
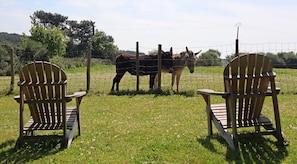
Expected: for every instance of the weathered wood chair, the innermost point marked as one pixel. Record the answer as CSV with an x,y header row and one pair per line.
x,y
43,89
248,79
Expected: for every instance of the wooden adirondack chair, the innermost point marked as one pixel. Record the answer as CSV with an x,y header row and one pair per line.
x,y
43,89
248,79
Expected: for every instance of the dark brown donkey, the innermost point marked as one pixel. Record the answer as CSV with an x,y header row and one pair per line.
x,y
148,65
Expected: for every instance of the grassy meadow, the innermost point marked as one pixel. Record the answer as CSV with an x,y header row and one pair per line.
x,y
145,127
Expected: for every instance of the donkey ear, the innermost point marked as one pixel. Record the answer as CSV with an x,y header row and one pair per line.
x,y
187,49
197,52
171,50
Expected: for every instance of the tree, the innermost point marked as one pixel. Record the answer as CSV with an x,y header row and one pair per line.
x,y
4,61
80,35
210,58
102,46
32,50
290,58
276,60
48,20
43,44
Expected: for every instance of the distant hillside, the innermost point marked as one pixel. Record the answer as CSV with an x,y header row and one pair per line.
x,y
11,38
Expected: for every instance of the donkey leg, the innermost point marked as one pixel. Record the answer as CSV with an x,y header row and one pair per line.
x,y
112,88
116,80
156,82
152,79
177,81
172,80
113,83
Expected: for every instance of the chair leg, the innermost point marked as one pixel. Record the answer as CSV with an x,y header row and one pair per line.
x,y
281,139
78,101
70,136
209,122
78,124
278,135
257,128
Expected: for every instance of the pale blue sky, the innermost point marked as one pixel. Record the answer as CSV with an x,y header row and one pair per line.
x,y
176,23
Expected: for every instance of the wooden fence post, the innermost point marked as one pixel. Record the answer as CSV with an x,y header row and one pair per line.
x,y
137,66
236,42
88,68
89,51
236,47
159,65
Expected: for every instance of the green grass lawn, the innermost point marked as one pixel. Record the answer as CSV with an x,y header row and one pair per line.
x,y
149,128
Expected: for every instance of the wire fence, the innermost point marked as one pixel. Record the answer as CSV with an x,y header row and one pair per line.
x,y
203,77
101,75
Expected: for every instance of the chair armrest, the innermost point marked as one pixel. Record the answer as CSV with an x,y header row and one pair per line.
x,y
211,92
206,93
17,98
75,95
276,89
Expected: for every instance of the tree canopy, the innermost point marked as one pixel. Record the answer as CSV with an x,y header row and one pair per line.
x,y
4,61
80,35
210,58
102,46
32,50
52,38
48,20
44,43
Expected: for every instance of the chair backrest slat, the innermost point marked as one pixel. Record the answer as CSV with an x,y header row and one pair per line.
x,y
242,83
49,89
247,78
57,89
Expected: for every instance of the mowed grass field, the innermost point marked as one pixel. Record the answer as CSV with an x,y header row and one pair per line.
x,y
167,127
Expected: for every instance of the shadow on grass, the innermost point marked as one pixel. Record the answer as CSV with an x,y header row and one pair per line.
x,y
155,92
30,151
254,150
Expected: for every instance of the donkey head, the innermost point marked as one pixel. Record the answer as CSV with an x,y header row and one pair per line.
x,y
167,60
191,57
